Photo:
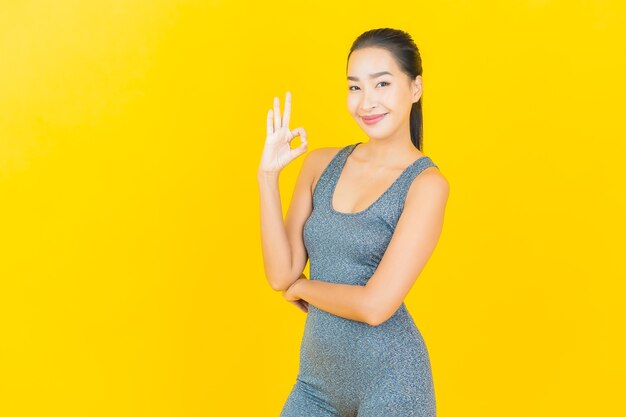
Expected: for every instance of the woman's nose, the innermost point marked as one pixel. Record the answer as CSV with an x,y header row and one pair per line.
x,y
367,101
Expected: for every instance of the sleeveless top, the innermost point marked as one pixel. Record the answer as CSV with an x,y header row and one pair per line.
x,y
347,247
342,361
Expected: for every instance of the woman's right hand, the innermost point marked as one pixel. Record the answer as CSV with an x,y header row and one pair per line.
x,y
277,152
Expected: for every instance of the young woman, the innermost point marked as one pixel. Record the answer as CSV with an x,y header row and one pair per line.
x,y
368,215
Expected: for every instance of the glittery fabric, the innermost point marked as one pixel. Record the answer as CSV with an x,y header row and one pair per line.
x,y
349,368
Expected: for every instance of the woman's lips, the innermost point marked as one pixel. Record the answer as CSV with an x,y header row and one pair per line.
x,y
370,120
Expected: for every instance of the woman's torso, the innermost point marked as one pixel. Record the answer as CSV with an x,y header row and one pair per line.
x,y
346,248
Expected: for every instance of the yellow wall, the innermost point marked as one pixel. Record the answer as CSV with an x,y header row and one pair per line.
x,y
131,276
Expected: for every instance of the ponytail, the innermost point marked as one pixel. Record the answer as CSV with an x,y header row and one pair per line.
x,y
417,124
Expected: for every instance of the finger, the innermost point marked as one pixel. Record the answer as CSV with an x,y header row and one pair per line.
x,y
296,152
299,131
302,148
270,129
297,304
276,113
287,114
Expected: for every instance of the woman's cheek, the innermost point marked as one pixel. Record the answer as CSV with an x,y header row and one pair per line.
x,y
352,106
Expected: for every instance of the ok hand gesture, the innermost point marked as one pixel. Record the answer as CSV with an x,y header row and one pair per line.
x,y
277,152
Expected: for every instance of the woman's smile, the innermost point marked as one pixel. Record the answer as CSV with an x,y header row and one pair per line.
x,y
370,120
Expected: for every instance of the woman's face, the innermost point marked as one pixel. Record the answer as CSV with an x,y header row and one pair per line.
x,y
377,86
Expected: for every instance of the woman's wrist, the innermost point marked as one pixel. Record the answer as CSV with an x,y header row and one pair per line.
x,y
297,286
267,175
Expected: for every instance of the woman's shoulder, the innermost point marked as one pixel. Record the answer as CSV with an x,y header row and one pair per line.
x,y
325,153
429,180
318,160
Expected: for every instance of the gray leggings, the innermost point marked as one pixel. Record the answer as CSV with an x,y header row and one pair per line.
x,y
306,401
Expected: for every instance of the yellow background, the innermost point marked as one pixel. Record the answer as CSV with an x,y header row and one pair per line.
x,y
131,274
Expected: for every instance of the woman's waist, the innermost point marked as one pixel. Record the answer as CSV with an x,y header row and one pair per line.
x,y
330,329
334,343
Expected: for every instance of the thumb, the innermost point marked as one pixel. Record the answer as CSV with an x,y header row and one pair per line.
x,y
296,152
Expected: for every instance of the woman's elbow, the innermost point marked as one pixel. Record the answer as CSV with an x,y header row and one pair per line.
x,y
281,283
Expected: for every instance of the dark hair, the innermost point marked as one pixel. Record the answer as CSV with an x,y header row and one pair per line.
x,y
401,45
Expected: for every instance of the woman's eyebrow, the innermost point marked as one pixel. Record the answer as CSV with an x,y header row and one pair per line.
x,y
374,75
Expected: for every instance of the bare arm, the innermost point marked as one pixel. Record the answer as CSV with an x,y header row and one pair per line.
x,y
274,242
344,300
284,254
412,244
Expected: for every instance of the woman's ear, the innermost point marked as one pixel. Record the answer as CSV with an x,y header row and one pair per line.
x,y
416,88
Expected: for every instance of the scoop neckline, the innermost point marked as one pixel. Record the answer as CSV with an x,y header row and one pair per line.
x,y
380,197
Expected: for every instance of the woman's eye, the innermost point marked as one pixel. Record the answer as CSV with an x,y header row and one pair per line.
x,y
351,88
